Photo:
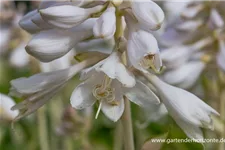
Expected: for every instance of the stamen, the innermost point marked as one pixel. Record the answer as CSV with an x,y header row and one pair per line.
x,y
148,62
104,92
98,111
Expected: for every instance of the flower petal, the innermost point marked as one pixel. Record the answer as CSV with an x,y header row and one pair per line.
x,y
186,75
190,130
184,105
5,106
113,112
52,44
105,26
67,16
114,69
141,95
27,24
82,96
148,14
37,19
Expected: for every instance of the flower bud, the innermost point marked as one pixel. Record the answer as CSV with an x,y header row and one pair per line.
x,y
148,14
67,16
105,26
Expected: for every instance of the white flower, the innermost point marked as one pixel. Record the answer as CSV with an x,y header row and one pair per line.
x,y
143,51
67,16
186,75
19,57
178,55
148,14
5,108
40,88
37,20
216,19
105,26
221,55
187,110
191,25
108,81
52,44
27,24
192,10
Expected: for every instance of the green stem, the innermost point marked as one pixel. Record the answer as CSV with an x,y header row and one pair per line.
x,y
222,116
127,126
117,137
43,131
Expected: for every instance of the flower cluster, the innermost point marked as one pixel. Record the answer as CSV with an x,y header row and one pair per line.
x,y
195,40
115,40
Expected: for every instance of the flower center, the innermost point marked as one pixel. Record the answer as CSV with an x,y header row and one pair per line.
x,y
104,91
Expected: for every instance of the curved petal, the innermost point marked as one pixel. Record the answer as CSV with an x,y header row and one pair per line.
x,y
190,130
184,105
67,16
5,106
27,24
82,96
113,112
141,95
114,69
148,14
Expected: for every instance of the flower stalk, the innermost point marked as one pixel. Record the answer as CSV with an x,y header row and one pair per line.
x,y
127,126
43,131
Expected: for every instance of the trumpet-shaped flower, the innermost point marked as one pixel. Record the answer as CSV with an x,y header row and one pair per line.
x,y
107,82
143,51
67,16
40,88
148,14
52,44
187,110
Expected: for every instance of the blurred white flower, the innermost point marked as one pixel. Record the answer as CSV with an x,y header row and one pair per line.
x,y
5,108
19,56
186,75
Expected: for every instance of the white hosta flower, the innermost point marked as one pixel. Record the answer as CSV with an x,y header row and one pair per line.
x,y
5,108
216,19
172,13
190,26
187,110
108,81
19,57
221,55
148,14
52,44
40,88
105,26
67,16
37,20
192,10
143,51
186,75
178,55
27,24
5,33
